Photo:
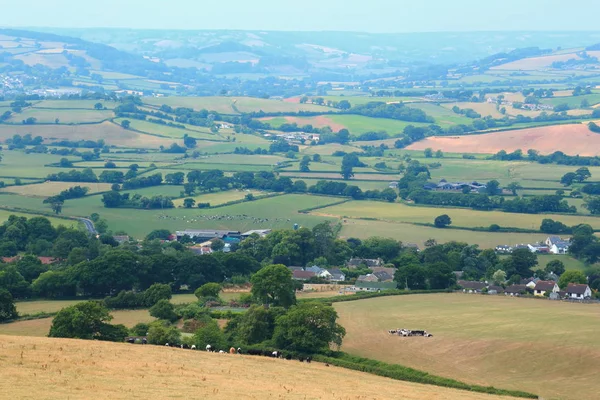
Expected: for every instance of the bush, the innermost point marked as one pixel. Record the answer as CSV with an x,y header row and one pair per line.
x,y
210,334
161,333
163,309
140,329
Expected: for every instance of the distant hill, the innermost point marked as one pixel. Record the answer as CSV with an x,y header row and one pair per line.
x,y
60,368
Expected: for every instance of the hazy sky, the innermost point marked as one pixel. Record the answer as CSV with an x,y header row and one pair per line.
x,y
346,15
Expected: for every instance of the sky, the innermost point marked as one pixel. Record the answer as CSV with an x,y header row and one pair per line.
x,y
388,16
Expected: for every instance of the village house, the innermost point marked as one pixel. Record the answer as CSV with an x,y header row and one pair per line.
x,y
472,286
204,235
367,278
543,287
515,290
259,232
537,248
578,291
383,276
336,275
493,289
557,245
444,185
393,185
411,246
302,275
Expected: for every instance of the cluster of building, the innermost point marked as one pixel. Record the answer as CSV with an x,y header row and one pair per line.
x,y
552,245
446,186
526,106
204,238
294,137
534,286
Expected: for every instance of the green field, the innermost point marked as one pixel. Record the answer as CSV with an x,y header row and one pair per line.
x,y
409,233
274,213
168,131
225,105
4,214
523,344
396,212
573,101
220,197
65,116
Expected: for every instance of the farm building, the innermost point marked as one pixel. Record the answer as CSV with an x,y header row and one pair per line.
x,y
492,289
373,286
201,235
259,232
543,287
578,291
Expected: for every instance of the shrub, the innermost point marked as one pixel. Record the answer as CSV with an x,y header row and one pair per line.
x,y
163,309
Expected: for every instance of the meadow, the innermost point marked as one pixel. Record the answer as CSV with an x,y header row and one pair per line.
x,y
73,368
525,344
228,105
4,214
168,131
409,233
398,212
47,189
64,116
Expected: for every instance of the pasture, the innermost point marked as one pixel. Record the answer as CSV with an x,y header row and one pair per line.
x,y
233,105
168,131
40,327
408,233
461,217
220,197
49,188
64,116
271,213
70,368
4,214
111,133
524,344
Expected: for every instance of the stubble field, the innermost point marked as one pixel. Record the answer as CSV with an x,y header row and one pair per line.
x,y
525,344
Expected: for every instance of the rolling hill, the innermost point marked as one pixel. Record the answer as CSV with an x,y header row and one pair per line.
x,y
65,368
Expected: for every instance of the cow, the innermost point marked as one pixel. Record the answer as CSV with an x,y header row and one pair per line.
x,y
193,347
167,344
301,359
239,350
276,354
144,341
221,352
232,350
308,359
131,340
208,348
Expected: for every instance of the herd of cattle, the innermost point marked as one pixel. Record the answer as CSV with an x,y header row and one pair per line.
x,y
408,332
232,350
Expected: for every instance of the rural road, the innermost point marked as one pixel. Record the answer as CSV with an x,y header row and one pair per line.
x,y
89,225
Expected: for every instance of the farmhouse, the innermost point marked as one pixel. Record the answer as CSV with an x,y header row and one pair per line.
x,y
472,286
393,185
578,291
536,248
444,185
492,289
367,278
543,287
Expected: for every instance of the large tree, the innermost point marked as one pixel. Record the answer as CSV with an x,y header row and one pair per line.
x,y
8,310
308,328
86,320
273,285
571,276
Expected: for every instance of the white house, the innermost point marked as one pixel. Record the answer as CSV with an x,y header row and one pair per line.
x,y
578,291
561,247
543,287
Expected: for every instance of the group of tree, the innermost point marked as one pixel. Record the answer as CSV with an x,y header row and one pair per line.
x,y
115,199
558,157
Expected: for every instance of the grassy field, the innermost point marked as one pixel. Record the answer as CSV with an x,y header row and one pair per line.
x,y
225,105
65,116
79,369
220,197
409,233
274,213
396,212
548,348
47,189
168,131
41,327
111,133
4,214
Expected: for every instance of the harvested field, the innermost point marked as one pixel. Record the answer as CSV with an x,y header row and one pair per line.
x,y
571,139
76,369
536,63
484,340
111,133
47,189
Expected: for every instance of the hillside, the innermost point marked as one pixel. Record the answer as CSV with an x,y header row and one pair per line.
x,y
62,368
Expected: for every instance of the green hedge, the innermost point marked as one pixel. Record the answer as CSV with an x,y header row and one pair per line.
x,y
402,373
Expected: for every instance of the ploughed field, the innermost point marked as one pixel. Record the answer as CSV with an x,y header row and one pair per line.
x,y
537,345
76,369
